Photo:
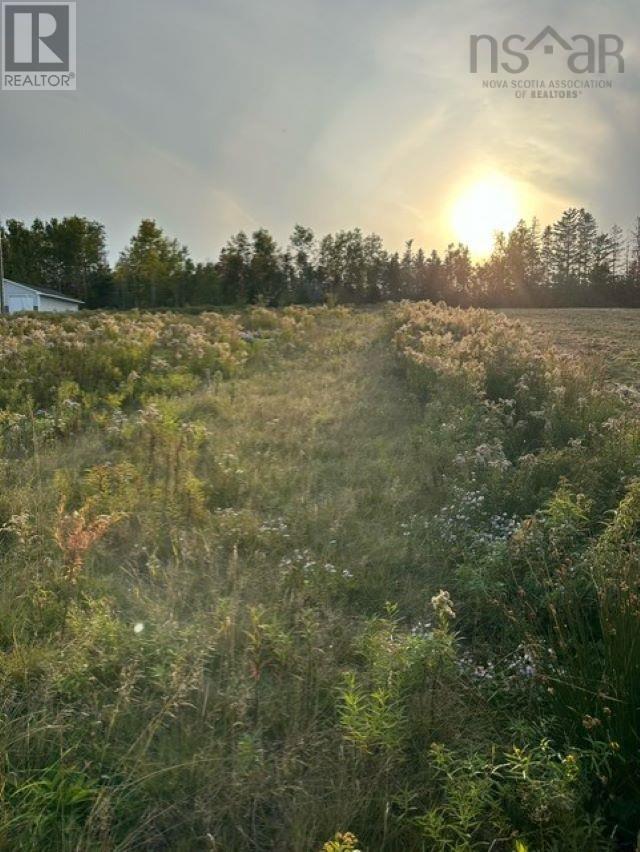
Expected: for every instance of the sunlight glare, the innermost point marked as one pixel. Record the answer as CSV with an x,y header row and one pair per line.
x,y
490,204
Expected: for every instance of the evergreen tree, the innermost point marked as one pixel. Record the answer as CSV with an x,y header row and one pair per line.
x,y
233,270
266,280
152,269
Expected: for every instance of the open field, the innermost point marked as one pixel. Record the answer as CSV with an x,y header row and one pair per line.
x,y
607,337
274,578
251,530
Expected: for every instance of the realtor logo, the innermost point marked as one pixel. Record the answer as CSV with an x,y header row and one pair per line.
x,y
39,46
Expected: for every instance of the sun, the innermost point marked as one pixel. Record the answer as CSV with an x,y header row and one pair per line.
x,y
490,204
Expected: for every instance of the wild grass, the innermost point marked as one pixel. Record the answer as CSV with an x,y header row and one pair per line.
x,y
538,535
183,593
367,586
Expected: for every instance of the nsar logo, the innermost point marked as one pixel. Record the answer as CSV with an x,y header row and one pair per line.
x,y
585,55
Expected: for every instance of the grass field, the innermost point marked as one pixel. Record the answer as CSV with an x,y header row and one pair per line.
x,y
242,568
609,338
318,580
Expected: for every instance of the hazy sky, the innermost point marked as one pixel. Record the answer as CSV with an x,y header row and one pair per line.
x,y
217,115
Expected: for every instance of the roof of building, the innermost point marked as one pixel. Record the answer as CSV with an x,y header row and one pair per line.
x,y
45,291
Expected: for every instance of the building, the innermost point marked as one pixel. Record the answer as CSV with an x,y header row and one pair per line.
x,y
25,297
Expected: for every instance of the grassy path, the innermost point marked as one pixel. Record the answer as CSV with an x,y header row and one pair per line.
x,y
326,439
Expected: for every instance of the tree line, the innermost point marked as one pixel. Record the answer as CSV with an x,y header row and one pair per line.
x,y
569,263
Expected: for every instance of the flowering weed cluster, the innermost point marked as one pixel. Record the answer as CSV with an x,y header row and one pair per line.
x,y
57,373
534,474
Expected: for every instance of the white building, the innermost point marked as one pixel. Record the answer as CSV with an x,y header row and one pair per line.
x,y
25,297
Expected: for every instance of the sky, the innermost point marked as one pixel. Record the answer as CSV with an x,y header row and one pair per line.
x,y
212,116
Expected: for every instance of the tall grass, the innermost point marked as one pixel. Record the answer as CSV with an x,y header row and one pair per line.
x,y
314,580
540,536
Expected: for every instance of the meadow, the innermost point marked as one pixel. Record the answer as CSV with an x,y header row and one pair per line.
x,y
606,337
319,579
